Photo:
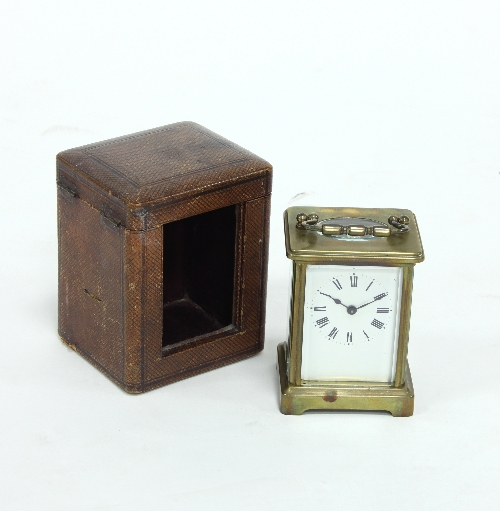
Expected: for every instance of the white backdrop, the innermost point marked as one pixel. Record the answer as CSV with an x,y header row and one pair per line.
x,y
369,104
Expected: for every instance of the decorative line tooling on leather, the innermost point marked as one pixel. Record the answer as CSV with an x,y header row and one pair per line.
x,y
150,162
230,348
114,198
161,163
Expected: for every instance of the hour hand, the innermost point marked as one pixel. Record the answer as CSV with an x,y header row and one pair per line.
x,y
336,300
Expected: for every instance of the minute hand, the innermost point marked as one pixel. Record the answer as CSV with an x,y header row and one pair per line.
x,y
378,297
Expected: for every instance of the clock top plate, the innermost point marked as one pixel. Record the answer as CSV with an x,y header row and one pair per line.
x,y
312,246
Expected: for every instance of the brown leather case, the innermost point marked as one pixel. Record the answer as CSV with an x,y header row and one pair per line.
x,y
163,243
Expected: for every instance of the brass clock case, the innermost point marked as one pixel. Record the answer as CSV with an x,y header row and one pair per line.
x,y
296,399
306,247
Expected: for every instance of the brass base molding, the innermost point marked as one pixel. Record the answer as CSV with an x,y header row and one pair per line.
x,y
296,399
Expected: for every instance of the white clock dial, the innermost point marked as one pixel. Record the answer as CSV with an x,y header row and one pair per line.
x,y
351,323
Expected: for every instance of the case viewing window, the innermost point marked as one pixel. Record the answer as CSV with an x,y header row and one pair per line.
x,y
163,243
198,277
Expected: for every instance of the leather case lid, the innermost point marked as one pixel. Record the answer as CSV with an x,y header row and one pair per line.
x,y
165,164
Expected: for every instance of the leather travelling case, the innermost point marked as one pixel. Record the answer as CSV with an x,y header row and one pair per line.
x,y
163,244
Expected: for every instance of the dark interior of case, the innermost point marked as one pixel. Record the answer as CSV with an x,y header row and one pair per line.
x,y
198,276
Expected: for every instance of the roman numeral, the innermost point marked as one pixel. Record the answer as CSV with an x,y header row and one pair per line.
x,y
382,310
320,309
369,285
368,338
349,337
337,283
378,324
333,333
354,281
322,322
380,296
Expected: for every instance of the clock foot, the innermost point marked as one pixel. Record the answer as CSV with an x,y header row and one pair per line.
x,y
296,399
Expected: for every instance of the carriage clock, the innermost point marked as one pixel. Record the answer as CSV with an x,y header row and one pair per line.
x,y
350,310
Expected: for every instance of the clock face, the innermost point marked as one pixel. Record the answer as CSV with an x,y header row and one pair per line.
x,y
351,323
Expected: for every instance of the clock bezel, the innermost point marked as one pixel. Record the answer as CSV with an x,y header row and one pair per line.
x,y
297,322
340,341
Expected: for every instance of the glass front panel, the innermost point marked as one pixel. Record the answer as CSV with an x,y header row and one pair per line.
x,y
351,323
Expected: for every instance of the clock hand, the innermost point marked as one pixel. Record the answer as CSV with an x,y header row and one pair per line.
x,y
378,297
336,300
351,309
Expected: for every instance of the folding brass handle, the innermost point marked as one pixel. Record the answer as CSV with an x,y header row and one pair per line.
x,y
353,227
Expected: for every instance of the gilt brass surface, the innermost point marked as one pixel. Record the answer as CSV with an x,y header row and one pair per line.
x,y
310,246
306,247
296,399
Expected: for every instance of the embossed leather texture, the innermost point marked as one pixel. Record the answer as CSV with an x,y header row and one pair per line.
x,y
115,198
